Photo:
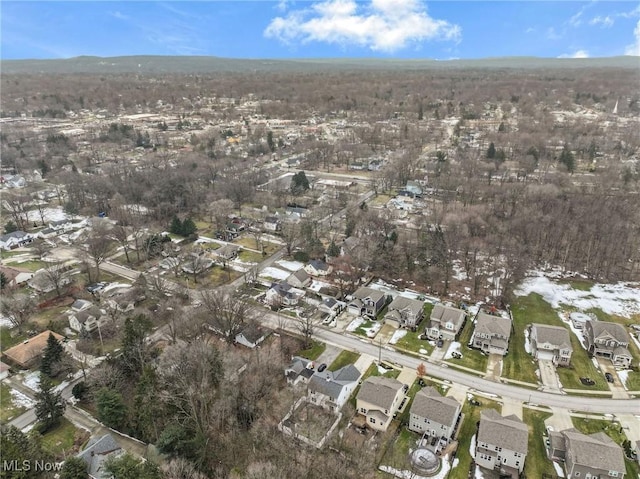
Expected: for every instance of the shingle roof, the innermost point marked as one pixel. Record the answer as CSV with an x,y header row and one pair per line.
x,y
301,275
30,349
428,403
96,452
13,234
505,432
379,391
596,450
365,292
319,265
488,324
330,383
555,335
446,314
399,303
603,328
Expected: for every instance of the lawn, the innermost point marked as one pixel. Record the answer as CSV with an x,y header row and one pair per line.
x,y
611,429
537,462
8,410
343,359
412,342
361,329
397,454
10,337
249,256
32,265
250,243
316,349
471,358
10,254
60,439
374,371
219,276
579,284
466,432
581,366
380,200
49,314
633,381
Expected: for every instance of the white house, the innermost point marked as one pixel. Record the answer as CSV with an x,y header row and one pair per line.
x,y
317,267
15,239
332,389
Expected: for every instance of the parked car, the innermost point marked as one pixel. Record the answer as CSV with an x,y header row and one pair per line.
x,y
322,367
96,287
609,377
440,343
587,381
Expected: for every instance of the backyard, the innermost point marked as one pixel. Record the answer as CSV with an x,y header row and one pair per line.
x,y
10,406
310,421
537,462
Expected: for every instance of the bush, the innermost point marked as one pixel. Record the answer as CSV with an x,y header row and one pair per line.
x,y
301,256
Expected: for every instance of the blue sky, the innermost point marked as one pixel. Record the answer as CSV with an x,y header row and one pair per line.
x,y
325,28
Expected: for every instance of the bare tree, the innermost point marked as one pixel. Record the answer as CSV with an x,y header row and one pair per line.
x,y
98,244
306,326
56,274
18,308
290,234
120,234
227,314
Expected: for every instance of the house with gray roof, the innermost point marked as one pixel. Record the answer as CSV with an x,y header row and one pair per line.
x,y
378,400
283,294
404,313
97,452
332,389
608,340
299,279
491,334
299,370
551,343
434,415
87,319
252,335
445,322
15,239
226,253
317,267
502,443
587,456
367,302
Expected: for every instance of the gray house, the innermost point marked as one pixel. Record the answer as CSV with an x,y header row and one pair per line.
x,y
502,443
551,343
608,340
367,302
299,279
433,414
445,322
587,456
331,389
96,453
491,334
300,370
404,313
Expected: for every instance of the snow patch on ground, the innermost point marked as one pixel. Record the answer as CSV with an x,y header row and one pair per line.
x,y
355,324
397,336
620,298
274,273
558,468
6,322
290,265
577,332
454,347
112,286
20,400
624,375
423,351
404,474
458,271
50,215
478,473
32,380
527,343
472,444
373,330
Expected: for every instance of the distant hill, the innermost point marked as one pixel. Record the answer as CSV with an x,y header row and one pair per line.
x,y
200,64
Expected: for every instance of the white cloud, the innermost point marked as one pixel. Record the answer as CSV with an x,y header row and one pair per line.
x,y
634,48
606,21
381,25
576,54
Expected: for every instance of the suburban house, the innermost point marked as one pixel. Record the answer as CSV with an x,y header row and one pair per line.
x,y
251,336
491,334
16,276
378,400
551,343
587,456
272,223
5,369
196,265
580,319
88,318
608,340
15,239
404,313
300,370
318,267
331,306
96,453
349,245
42,283
413,187
283,294
332,389
27,353
367,302
502,443
226,253
445,322
299,279
434,415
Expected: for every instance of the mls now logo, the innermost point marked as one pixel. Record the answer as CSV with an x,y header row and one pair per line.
x,y
27,465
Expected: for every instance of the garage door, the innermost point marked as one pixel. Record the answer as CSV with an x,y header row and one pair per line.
x,y
545,355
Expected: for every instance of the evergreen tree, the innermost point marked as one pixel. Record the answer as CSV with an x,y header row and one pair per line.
x,y
270,142
52,354
420,112
10,227
188,227
567,159
491,151
333,250
3,280
145,407
176,226
299,183
74,468
135,351
18,446
111,408
49,405
127,466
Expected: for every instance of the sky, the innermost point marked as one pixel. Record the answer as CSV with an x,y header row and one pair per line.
x,y
320,29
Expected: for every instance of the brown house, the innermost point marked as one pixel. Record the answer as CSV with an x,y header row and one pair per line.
x,y
28,353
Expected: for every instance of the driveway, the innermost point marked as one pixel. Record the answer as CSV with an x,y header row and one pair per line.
x,y
548,376
511,406
560,420
617,388
328,355
494,367
438,353
385,334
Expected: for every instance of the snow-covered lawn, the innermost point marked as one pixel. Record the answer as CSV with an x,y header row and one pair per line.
x,y
373,330
399,334
620,299
20,400
454,347
6,322
355,324
274,273
50,215
290,265
32,380
577,332
442,474
527,343
624,375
